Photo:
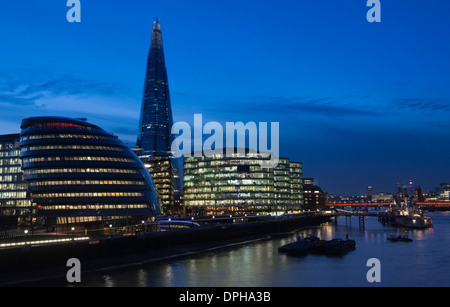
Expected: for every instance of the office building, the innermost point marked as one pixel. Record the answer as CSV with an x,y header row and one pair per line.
x,y
314,197
15,204
221,185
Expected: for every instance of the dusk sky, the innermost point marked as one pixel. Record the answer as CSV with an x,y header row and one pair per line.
x,y
358,103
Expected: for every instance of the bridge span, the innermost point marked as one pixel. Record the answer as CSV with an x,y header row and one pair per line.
x,y
359,204
361,214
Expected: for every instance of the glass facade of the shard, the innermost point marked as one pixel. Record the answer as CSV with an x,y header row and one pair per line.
x,y
154,138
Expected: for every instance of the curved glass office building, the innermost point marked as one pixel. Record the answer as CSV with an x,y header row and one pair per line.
x,y
78,173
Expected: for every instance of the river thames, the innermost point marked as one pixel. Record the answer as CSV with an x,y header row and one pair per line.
x,y
423,262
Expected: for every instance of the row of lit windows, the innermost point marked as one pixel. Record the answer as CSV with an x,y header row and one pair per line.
x,y
11,178
63,136
226,156
80,170
215,176
253,188
93,207
282,173
77,219
227,182
89,194
13,186
10,153
162,190
10,170
194,164
229,202
15,203
163,186
159,175
234,169
229,195
85,182
10,161
282,183
163,180
77,158
5,195
244,194
46,147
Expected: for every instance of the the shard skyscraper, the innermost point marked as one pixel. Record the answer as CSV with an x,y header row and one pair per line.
x,y
154,137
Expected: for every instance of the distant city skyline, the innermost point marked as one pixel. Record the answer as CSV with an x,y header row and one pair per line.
x,y
359,104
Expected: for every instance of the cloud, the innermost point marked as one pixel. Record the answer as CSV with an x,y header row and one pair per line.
x,y
422,104
27,93
27,87
257,105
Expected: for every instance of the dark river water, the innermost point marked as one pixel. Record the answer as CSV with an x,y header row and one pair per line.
x,y
423,262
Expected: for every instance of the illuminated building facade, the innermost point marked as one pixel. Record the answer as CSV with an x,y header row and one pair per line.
x,y
79,174
15,204
154,138
314,197
219,184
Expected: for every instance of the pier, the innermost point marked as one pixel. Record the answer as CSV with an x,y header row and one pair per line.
x,y
362,213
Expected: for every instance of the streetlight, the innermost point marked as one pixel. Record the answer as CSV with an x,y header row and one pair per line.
x,y
110,230
73,233
26,235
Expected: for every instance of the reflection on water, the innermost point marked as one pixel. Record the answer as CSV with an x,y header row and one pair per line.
x,y
423,262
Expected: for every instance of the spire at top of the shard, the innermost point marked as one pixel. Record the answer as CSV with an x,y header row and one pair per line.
x,y
154,137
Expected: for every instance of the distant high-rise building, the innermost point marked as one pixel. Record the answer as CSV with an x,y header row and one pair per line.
x,y
418,195
154,138
369,193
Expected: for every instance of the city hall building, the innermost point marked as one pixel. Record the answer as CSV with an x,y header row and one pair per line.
x,y
223,185
79,174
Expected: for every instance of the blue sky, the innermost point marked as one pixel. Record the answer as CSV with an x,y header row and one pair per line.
x,y
358,103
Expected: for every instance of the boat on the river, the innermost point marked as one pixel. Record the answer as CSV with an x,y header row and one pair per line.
x,y
300,246
410,215
317,246
398,238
